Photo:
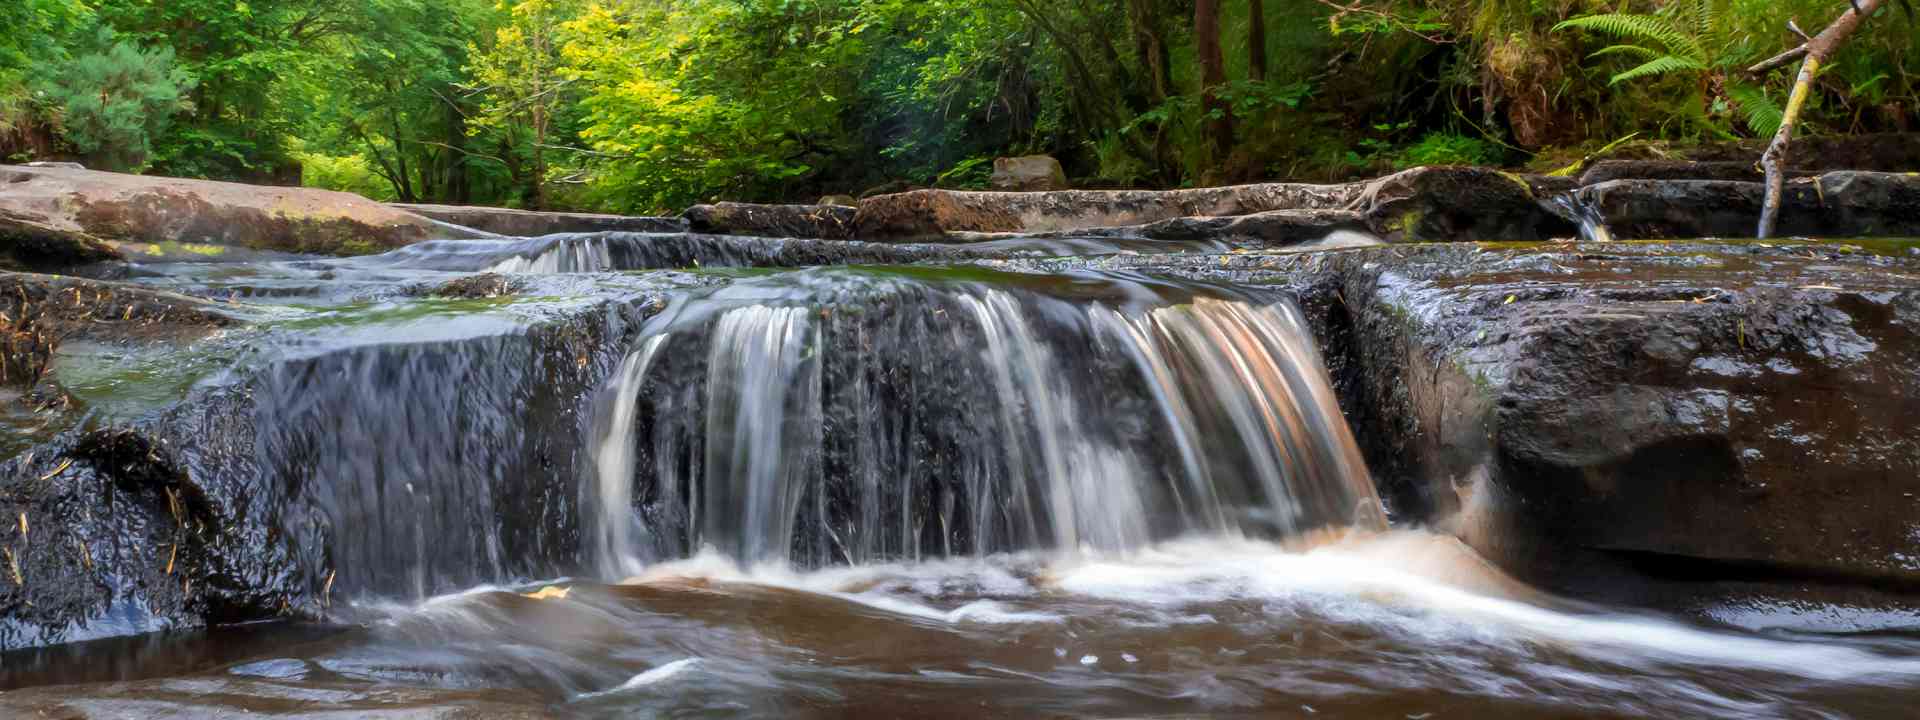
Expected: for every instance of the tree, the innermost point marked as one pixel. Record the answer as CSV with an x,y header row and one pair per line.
x,y
115,101
1213,75
520,75
1257,40
1818,51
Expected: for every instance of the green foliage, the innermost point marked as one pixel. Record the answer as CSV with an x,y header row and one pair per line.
x,y
1670,42
649,105
349,173
1442,148
112,103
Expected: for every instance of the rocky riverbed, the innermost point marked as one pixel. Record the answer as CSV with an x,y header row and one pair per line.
x,y
285,404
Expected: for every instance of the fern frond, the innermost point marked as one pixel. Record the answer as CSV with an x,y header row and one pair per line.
x,y
1634,50
1659,66
1652,28
1764,116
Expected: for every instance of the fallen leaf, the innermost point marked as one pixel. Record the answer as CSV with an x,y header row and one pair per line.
x,y
549,593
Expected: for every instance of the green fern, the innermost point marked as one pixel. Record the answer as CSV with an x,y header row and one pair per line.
x,y
1659,66
1667,37
1683,36
1764,116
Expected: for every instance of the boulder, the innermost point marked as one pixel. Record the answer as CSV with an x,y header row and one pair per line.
x,y
527,223
1648,424
826,222
115,206
1839,204
1031,173
1463,204
29,243
1703,427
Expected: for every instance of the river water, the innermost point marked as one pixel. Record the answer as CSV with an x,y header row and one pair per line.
x,y
872,492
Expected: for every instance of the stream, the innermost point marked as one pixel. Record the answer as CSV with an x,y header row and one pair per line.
x,y
656,478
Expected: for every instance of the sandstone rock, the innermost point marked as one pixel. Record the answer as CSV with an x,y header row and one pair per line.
x,y
1840,204
114,206
1721,406
1031,173
30,243
931,213
526,223
1578,414
1463,204
1684,426
827,222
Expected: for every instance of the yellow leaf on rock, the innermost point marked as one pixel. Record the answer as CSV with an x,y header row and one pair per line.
x,y
550,593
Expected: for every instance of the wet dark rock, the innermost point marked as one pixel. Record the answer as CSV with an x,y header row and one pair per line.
x,y
39,312
527,223
1446,204
136,208
28,242
829,222
259,498
1666,401
486,285
1840,204
1674,425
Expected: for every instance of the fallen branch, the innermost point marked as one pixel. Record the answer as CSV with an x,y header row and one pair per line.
x,y
1818,50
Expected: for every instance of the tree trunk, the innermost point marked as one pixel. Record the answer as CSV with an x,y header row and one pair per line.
x,y
1819,49
1257,40
1213,74
1150,43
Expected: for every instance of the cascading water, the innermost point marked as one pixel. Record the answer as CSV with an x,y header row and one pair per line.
x,y
1593,225
942,419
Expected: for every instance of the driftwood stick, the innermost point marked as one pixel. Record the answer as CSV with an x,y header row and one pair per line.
x,y
1818,50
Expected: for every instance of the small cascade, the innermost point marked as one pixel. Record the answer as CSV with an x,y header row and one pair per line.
x,y
564,254
833,417
613,464
1593,225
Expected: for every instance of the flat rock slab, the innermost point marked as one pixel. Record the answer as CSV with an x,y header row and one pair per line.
x,y
1423,204
527,223
931,213
1837,204
115,206
823,222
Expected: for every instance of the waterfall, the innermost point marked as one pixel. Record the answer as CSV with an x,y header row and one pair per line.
x,y
564,254
834,418
613,465
1593,225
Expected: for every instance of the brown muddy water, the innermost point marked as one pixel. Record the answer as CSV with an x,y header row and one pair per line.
x,y
1394,625
909,492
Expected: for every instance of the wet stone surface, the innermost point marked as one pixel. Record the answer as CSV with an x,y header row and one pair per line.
x,y
1594,415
